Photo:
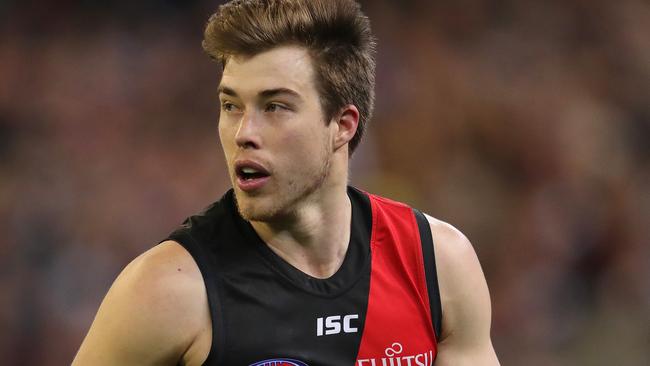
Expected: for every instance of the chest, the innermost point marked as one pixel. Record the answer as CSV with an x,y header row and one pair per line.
x,y
380,319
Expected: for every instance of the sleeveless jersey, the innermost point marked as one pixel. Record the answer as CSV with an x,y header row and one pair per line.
x,y
381,308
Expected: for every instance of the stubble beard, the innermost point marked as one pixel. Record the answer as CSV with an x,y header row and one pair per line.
x,y
285,202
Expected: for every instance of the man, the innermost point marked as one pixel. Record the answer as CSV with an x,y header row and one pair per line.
x,y
292,266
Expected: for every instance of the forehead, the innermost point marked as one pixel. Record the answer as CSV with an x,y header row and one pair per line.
x,y
281,67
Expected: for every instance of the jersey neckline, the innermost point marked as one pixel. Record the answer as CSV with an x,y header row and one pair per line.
x,y
355,264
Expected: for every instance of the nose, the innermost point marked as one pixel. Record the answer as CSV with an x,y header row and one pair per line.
x,y
248,136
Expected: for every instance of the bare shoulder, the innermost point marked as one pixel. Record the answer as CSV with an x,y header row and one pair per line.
x,y
167,280
460,276
152,314
451,242
466,308
167,268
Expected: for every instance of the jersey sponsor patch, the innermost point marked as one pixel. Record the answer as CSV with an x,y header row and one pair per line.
x,y
279,362
394,357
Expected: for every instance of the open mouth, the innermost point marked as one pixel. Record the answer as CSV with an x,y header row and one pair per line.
x,y
248,173
251,176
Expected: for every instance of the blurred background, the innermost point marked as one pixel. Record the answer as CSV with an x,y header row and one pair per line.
x,y
524,123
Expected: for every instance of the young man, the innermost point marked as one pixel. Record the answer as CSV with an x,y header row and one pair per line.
x,y
292,266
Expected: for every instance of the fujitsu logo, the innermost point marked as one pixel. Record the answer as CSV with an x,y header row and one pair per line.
x,y
279,362
394,357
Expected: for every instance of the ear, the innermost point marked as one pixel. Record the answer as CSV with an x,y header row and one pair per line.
x,y
346,125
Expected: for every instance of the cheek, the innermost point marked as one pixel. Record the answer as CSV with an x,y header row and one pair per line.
x,y
308,148
303,145
225,137
309,136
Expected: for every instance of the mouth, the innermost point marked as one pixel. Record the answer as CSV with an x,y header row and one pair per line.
x,y
251,175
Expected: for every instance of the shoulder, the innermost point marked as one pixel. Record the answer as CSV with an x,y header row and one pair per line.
x,y
152,313
451,244
463,291
166,278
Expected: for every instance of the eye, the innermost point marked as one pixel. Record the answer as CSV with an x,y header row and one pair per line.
x,y
275,107
228,107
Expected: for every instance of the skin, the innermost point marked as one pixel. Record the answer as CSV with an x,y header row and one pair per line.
x,y
156,312
306,155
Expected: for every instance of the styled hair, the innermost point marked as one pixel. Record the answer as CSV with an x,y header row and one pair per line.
x,y
336,34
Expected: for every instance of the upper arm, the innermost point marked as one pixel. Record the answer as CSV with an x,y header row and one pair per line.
x,y
466,315
148,316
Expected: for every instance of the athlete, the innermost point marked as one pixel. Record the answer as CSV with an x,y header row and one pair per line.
x,y
292,266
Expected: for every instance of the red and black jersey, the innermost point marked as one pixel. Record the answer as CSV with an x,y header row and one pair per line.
x,y
381,308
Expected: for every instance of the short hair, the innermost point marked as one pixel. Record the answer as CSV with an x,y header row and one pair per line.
x,y
336,34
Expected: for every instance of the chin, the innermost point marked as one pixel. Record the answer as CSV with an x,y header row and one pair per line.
x,y
257,208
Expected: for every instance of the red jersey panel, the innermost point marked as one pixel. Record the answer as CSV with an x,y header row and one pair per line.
x,y
398,327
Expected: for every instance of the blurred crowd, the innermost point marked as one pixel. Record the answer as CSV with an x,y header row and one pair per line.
x,y
526,124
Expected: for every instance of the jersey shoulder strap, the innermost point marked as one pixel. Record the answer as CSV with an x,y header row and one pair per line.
x,y
200,235
431,274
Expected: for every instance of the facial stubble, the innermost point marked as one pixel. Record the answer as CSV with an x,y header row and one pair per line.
x,y
288,199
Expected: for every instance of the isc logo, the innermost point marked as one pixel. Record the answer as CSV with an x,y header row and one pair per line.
x,y
334,324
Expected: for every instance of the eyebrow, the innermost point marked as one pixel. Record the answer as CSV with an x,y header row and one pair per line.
x,y
226,90
267,93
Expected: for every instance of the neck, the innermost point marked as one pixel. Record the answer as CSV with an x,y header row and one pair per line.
x,y
315,238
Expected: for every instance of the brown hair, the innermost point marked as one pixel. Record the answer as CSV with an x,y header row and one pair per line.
x,y
335,32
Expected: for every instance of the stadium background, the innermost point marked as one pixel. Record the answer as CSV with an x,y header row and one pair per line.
x,y
524,123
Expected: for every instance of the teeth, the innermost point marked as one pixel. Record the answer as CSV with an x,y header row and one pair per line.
x,y
249,171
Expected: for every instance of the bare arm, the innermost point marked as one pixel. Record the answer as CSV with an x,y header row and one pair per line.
x,y
466,315
152,315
